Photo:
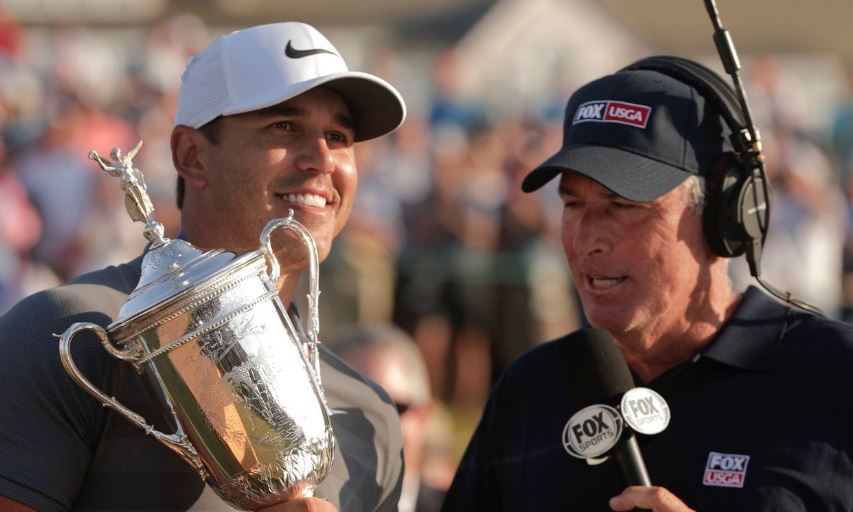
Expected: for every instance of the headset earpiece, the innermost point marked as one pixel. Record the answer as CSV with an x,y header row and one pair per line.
x,y
737,199
735,213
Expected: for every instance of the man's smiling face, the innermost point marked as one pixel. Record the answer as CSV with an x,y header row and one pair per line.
x,y
295,155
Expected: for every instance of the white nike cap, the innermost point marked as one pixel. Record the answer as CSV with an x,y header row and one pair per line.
x,y
262,66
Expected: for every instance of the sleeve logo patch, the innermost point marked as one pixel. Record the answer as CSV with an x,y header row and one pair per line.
x,y
610,111
725,470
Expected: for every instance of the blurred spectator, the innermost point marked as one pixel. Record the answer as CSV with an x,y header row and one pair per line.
x,y
10,35
533,299
446,287
447,108
423,302
60,181
360,273
407,167
841,133
389,357
807,226
20,230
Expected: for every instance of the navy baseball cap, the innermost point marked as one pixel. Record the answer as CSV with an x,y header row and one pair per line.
x,y
640,133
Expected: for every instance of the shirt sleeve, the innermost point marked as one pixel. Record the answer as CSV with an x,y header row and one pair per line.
x,y
49,424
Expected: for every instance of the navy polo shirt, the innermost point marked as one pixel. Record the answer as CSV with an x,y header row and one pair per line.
x,y
762,419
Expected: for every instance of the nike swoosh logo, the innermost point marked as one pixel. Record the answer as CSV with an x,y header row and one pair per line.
x,y
333,412
293,53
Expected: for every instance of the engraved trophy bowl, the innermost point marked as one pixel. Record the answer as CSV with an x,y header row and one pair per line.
x,y
208,330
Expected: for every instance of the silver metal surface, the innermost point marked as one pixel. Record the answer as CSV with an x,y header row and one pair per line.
x,y
210,333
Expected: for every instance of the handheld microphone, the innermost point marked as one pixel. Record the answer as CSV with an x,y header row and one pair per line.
x,y
598,377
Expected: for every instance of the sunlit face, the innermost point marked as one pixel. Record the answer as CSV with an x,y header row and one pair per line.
x,y
638,267
295,155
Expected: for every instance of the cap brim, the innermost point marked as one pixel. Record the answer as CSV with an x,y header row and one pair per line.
x,y
376,106
629,175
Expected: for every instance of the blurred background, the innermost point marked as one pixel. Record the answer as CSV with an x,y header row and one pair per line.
x,y
441,244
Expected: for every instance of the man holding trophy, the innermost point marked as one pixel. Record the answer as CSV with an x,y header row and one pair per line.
x,y
264,137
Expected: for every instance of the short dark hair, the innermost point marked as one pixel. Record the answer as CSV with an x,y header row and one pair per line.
x,y
210,130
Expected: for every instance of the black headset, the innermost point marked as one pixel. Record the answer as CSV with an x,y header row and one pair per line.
x,y
737,203
737,198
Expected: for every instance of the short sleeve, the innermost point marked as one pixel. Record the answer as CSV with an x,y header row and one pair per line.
x,y
50,425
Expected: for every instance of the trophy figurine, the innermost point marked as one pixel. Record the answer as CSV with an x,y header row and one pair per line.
x,y
209,332
136,200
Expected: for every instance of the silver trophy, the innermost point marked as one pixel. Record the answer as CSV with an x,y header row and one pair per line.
x,y
210,333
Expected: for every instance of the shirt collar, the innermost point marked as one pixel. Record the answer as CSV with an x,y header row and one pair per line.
x,y
750,337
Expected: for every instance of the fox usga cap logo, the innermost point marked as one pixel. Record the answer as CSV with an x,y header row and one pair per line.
x,y
640,133
613,112
262,66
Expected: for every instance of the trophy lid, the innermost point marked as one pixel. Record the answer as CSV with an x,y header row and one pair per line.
x,y
169,269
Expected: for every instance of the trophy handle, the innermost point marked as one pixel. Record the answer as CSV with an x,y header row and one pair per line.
x,y
312,323
177,442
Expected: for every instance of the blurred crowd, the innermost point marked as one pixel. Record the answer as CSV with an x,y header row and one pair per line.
x,y
442,243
